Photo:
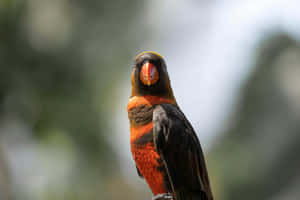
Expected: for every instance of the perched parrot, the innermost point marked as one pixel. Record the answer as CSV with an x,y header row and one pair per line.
x,y
165,148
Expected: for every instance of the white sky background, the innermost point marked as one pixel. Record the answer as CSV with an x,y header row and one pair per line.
x,y
208,48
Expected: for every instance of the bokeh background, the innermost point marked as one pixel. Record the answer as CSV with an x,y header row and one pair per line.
x,y
65,70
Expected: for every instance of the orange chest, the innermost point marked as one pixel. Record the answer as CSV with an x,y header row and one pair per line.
x,y
147,160
149,163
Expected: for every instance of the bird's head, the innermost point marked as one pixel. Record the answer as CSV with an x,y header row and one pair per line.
x,y
150,76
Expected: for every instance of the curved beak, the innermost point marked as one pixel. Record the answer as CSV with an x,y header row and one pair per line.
x,y
149,74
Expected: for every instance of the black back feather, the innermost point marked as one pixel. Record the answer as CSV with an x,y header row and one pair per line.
x,y
177,144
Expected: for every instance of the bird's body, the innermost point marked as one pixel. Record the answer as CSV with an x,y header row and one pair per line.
x,y
148,161
164,145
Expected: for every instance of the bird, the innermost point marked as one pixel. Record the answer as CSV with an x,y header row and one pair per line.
x,y
164,145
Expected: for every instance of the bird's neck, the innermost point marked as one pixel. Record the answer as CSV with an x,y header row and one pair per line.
x,y
148,100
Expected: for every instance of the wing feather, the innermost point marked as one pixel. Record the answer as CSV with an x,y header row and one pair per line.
x,y
176,142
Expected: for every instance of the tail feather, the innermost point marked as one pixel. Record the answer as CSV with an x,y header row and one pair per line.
x,y
188,195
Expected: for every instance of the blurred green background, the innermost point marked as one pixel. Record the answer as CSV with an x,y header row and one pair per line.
x,y
65,80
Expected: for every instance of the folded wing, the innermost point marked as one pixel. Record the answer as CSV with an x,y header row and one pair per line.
x,y
177,144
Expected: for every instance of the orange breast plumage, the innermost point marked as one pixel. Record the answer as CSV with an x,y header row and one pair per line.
x,y
147,160
150,166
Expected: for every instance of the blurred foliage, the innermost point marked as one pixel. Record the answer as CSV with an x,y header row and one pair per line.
x,y
257,157
59,62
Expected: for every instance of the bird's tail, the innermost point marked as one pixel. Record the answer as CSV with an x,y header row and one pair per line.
x,y
199,195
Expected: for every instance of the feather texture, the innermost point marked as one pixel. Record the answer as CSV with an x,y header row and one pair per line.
x,y
179,148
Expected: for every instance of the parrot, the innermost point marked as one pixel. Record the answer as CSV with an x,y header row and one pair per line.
x,y
164,145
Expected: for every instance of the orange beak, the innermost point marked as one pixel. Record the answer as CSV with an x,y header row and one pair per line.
x,y
149,74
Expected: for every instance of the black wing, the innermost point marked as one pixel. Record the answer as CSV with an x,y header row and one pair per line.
x,y
176,142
